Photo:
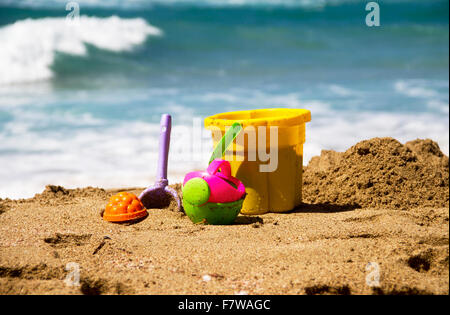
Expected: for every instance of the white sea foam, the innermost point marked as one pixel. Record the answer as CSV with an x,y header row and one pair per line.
x,y
87,151
339,90
414,88
28,46
439,105
434,93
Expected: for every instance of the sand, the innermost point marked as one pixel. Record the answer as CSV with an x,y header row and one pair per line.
x,y
322,247
380,172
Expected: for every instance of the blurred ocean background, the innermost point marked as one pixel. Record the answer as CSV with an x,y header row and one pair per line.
x,y
80,104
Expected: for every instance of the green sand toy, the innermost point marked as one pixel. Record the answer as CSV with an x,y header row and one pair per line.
x,y
214,196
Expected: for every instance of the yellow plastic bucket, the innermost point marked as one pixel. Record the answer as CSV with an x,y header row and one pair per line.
x,y
267,156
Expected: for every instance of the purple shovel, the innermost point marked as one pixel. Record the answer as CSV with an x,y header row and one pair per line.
x,y
159,195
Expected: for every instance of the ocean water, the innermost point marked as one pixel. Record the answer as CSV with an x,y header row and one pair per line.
x,y
80,103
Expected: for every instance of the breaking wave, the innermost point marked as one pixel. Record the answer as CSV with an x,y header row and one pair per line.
x,y
29,46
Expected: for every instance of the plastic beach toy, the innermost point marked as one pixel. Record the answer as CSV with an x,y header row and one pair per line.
x,y
278,189
159,195
214,196
124,207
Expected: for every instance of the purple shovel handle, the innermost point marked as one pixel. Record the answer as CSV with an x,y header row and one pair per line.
x,y
156,195
164,143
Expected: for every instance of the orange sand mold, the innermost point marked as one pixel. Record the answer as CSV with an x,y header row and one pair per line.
x,y
124,206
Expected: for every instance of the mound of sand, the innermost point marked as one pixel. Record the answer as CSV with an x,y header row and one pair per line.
x,y
380,172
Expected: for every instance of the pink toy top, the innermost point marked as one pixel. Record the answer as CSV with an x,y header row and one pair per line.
x,y
223,186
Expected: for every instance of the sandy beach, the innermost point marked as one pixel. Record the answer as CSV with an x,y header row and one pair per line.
x,y
380,202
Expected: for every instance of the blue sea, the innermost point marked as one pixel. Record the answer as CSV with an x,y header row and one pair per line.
x,y
80,100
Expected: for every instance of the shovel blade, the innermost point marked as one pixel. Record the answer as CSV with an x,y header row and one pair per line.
x,y
159,197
